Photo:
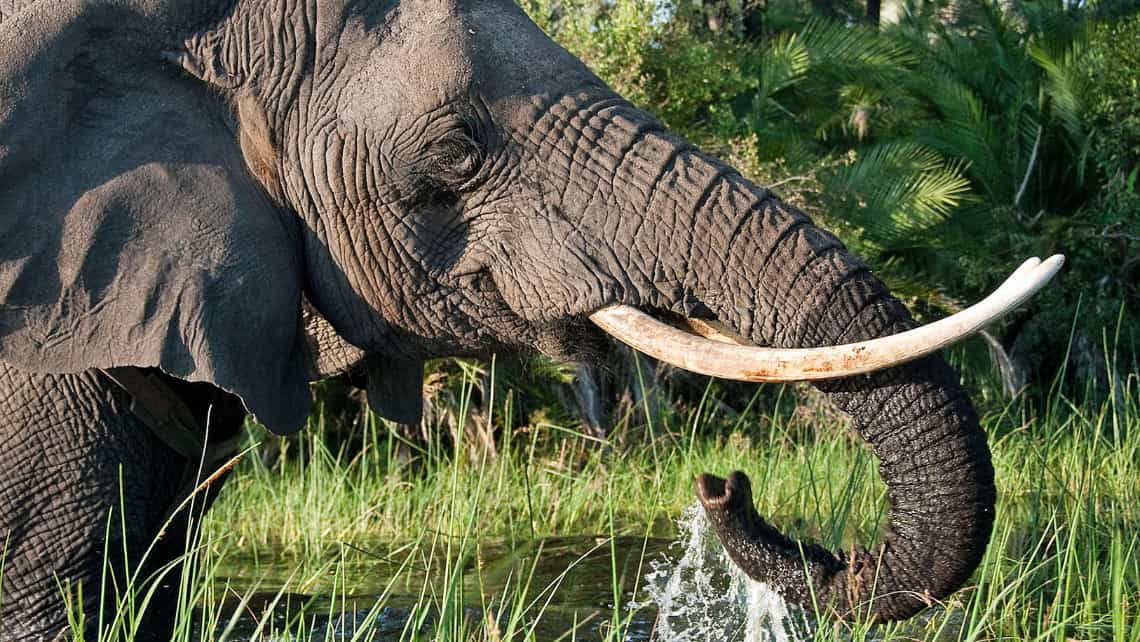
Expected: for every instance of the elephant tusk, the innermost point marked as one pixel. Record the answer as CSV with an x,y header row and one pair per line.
x,y
715,351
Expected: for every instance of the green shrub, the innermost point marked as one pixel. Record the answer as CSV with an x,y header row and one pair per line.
x,y
1114,113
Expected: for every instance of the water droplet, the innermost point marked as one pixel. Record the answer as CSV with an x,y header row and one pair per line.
x,y
702,596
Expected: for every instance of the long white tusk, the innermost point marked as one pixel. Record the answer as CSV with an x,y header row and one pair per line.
x,y
722,355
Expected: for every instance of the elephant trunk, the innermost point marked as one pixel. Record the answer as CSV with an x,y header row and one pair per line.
x,y
934,461
764,270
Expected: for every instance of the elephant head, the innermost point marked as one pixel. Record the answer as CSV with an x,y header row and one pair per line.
x,y
437,177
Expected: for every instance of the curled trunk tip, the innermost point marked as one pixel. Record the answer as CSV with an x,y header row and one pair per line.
x,y
809,575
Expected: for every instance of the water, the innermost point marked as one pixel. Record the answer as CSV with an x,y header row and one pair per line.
x,y
582,588
703,596
571,587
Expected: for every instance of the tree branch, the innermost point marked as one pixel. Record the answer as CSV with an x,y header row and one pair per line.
x,y
1029,169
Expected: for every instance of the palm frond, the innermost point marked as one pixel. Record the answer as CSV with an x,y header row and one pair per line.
x,y
854,49
1065,86
897,191
784,63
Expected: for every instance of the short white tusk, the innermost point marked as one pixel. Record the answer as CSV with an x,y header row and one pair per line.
x,y
719,354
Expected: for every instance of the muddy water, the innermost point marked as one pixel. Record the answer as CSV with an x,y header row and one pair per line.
x,y
578,588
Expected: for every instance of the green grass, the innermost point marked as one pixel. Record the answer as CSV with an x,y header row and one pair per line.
x,y
430,539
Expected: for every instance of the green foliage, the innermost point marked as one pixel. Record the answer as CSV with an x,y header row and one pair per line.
x,y
612,38
1005,96
1114,114
895,193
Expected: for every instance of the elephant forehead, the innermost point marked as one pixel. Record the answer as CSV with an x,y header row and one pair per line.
x,y
420,60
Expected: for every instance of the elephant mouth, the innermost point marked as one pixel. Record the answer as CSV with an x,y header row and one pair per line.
x,y
710,348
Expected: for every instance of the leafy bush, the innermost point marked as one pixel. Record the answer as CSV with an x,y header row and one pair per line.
x,y
1114,113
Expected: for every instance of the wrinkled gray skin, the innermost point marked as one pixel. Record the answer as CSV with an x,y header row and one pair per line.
x,y
437,178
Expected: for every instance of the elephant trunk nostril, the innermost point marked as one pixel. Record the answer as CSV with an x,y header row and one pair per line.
x,y
724,494
711,490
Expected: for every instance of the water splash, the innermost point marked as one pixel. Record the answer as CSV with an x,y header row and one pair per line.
x,y
704,596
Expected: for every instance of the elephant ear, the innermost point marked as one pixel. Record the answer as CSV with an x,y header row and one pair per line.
x,y
131,232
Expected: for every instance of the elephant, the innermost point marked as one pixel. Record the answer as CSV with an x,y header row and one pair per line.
x,y
205,206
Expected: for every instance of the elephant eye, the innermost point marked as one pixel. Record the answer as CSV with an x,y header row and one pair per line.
x,y
454,159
